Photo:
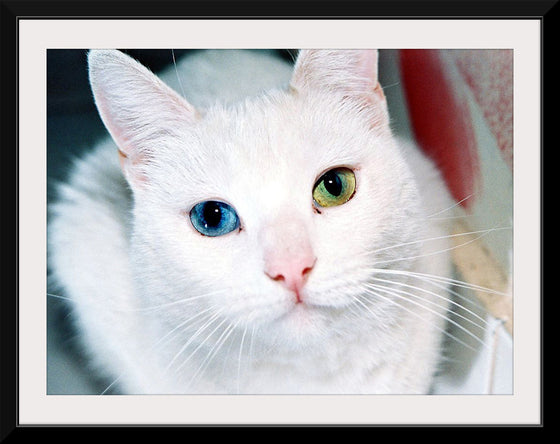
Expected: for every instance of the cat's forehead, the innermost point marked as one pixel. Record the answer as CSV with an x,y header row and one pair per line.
x,y
251,154
285,132
268,149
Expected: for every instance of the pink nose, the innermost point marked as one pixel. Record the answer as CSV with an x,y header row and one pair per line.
x,y
291,272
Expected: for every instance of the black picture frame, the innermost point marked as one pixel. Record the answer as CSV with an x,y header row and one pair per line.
x,y
14,11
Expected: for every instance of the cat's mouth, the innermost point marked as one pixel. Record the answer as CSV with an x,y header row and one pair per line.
x,y
312,314
301,323
306,317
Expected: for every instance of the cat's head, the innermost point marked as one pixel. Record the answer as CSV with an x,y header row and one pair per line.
x,y
272,212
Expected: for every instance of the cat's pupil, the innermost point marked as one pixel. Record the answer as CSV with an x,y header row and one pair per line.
x,y
212,214
332,183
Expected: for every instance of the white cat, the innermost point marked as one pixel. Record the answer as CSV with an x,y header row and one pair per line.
x,y
263,246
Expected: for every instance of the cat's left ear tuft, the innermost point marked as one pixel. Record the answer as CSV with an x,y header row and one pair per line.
x,y
137,108
347,72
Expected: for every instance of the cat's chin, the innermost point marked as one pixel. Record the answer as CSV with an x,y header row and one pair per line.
x,y
302,325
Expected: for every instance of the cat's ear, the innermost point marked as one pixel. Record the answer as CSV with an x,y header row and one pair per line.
x,y
137,108
352,74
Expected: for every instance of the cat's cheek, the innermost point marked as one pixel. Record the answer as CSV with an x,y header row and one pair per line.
x,y
343,235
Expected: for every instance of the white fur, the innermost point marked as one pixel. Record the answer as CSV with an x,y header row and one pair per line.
x,y
129,258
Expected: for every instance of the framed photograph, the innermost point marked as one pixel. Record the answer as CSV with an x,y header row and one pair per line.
x,y
276,219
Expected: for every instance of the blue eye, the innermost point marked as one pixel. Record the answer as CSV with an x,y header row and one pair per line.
x,y
213,218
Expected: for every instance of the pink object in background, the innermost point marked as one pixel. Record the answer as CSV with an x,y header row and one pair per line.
x,y
489,75
459,108
440,119
437,86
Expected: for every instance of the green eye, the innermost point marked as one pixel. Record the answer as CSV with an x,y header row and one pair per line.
x,y
335,187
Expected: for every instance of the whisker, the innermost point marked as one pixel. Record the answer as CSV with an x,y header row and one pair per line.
x,y
460,216
391,85
455,205
199,345
376,316
239,358
447,287
185,323
180,301
450,301
484,233
251,344
442,330
436,278
427,301
207,323
158,342
111,385
57,296
436,238
214,350
447,318
177,73
141,309
354,312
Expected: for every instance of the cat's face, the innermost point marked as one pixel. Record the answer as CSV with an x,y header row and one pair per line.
x,y
273,213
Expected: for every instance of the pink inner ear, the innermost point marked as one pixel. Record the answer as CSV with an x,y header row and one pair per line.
x,y
127,165
367,65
